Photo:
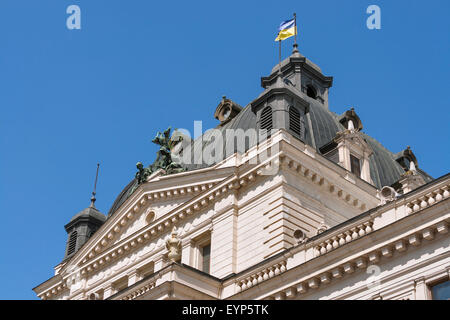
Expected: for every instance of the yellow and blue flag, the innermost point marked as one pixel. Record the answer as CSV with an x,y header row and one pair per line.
x,y
286,30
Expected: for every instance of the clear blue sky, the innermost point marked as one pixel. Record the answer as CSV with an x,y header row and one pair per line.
x,y
72,98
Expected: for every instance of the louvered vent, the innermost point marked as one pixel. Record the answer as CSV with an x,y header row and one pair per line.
x,y
294,121
266,119
72,243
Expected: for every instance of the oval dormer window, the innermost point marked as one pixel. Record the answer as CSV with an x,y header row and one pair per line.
x,y
226,113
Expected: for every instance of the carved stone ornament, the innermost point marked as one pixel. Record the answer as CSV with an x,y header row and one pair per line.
x,y
173,245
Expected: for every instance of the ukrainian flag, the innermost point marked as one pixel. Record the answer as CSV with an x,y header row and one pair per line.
x,y
286,30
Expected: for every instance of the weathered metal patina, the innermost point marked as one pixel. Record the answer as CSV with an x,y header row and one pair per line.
x,y
163,159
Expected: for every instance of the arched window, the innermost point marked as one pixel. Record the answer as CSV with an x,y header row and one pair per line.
x,y
72,242
266,119
311,92
294,121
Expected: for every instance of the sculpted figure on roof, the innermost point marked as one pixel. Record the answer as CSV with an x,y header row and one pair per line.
x,y
164,157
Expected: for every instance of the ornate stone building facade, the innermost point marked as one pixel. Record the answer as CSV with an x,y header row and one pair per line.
x,y
316,209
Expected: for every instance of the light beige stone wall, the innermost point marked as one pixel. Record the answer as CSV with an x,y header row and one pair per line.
x,y
250,218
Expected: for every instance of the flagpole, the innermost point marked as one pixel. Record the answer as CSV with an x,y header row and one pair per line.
x,y
295,23
279,60
295,41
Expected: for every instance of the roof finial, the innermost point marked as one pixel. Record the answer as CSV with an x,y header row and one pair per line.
x,y
95,188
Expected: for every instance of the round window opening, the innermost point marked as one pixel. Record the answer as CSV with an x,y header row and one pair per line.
x,y
226,113
150,217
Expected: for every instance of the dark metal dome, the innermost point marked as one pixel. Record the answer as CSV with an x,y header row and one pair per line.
x,y
384,169
319,131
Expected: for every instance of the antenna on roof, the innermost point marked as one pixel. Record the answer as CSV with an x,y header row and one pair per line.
x,y
95,188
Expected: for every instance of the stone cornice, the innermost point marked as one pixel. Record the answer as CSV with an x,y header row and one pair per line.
x,y
144,235
317,177
360,260
322,246
52,287
302,61
384,249
334,170
100,257
171,272
358,228
278,265
139,199
215,192
277,91
135,205
396,275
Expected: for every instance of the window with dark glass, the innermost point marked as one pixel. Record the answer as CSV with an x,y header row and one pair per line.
x,y
441,291
206,257
355,165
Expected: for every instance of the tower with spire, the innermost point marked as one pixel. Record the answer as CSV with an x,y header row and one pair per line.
x,y
83,225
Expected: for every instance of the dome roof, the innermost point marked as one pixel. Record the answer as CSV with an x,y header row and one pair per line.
x,y
384,169
322,129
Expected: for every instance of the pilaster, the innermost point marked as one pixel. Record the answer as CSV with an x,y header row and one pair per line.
x,y
421,289
224,243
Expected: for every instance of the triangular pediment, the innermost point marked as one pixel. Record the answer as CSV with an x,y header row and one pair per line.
x,y
148,206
